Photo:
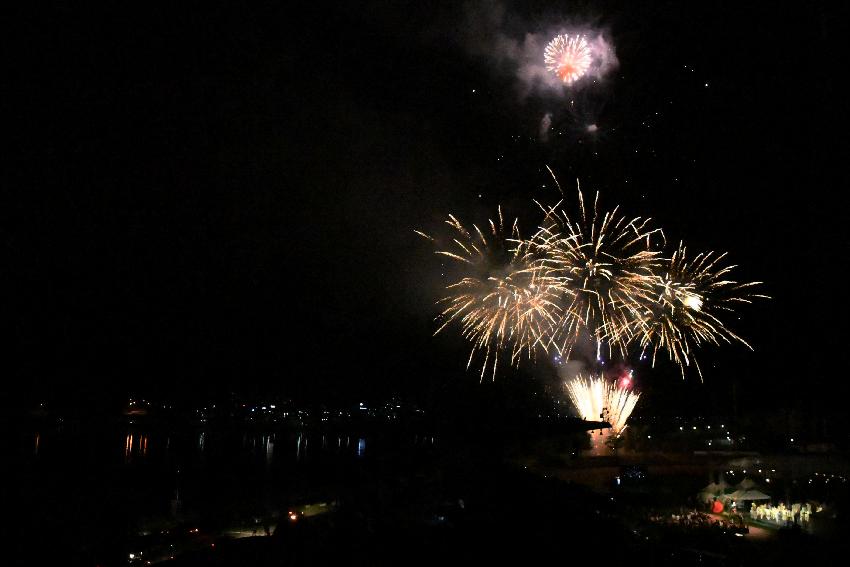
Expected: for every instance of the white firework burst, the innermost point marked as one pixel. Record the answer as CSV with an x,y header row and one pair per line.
x,y
568,56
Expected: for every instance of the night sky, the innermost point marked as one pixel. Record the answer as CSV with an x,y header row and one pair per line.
x,y
223,198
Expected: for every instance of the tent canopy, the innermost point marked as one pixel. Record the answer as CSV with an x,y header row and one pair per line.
x,y
715,488
749,495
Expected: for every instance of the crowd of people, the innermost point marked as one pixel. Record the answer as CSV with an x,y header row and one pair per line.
x,y
796,513
691,518
696,520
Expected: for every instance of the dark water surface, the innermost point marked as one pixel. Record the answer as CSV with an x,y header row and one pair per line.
x,y
80,488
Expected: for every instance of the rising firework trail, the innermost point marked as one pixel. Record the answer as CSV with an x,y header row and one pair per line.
x,y
568,56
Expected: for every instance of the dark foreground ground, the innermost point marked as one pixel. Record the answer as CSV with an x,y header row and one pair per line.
x,y
510,518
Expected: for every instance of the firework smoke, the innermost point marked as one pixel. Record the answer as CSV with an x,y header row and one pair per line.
x,y
545,124
501,37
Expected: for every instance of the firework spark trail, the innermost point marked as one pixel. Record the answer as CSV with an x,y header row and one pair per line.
x,y
604,265
595,398
621,403
505,301
568,56
690,297
593,274
588,397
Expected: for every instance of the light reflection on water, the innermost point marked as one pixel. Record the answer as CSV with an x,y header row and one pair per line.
x,y
208,461
269,440
137,445
159,468
123,477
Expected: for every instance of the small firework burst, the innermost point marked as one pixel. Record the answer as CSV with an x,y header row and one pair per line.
x,y
568,56
690,297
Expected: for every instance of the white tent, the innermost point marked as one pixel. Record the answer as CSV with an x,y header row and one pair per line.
x,y
747,495
746,484
715,489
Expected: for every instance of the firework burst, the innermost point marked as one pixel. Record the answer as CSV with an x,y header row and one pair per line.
x,y
689,298
604,265
568,56
504,300
595,398
595,274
